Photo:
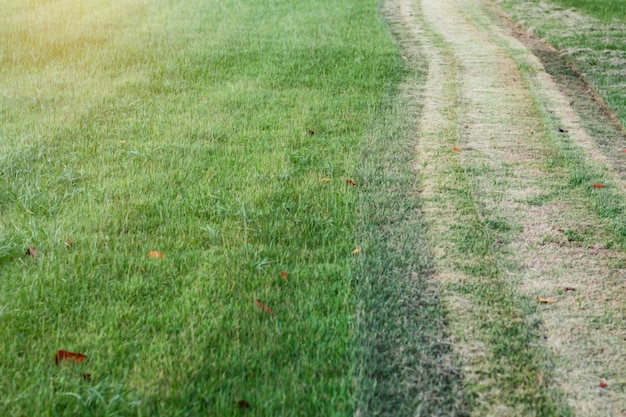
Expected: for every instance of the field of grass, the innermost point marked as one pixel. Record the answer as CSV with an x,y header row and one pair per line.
x,y
607,10
593,40
201,130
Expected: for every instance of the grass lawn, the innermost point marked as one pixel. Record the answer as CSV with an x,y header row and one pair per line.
x,y
220,135
593,40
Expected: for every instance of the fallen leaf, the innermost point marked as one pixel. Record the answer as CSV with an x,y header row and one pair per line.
x,y
243,404
566,289
122,142
546,300
31,252
603,384
155,254
405,58
356,251
283,274
263,307
562,130
624,150
86,377
68,243
310,132
325,180
598,185
456,149
350,182
64,355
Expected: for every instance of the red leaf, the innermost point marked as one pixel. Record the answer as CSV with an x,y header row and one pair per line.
x,y
350,182
283,274
598,185
31,252
263,307
456,149
603,384
64,355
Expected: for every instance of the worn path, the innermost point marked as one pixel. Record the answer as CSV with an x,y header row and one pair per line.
x,y
507,224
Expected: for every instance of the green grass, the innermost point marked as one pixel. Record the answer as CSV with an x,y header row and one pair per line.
x,y
607,10
181,126
404,365
594,45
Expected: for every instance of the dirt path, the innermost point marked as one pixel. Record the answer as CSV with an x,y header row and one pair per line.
x,y
485,141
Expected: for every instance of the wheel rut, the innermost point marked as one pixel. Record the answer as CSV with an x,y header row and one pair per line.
x,y
505,224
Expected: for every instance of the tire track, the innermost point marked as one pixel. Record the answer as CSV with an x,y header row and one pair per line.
x,y
488,96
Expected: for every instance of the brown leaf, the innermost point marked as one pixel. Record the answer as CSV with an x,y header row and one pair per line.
x,y
283,274
155,254
68,243
598,185
350,182
546,300
456,149
64,355
263,307
243,404
31,252
561,130
566,289
325,180
86,377
603,384
310,132
356,251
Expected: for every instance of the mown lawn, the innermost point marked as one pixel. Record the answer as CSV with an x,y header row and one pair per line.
x,y
220,135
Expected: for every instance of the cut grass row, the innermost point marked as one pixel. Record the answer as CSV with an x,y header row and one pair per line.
x,y
593,41
182,127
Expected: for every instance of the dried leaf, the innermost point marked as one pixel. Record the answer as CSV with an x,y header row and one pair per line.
x,y
325,180
456,149
68,243
155,254
566,289
86,377
310,132
122,142
561,130
31,252
405,58
263,307
284,275
64,355
603,384
243,404
356,251
598,185
350,182
546,300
